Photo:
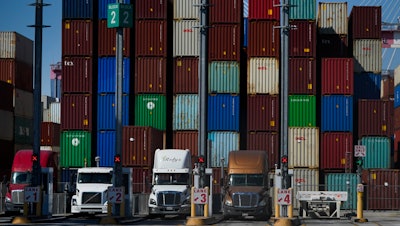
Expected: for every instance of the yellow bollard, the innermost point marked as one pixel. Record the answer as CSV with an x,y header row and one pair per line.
x,y
277,207
109,209
26,209
206,205
290,207
122,209
360,191
192,206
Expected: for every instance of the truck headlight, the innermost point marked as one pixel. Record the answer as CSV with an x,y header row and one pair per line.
x,y
74,202
8,199
228,202
153,202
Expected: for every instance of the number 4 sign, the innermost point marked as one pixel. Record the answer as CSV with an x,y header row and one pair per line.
x,y
284,197
116,194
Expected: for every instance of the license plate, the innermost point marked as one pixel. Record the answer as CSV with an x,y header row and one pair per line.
x,y
169,208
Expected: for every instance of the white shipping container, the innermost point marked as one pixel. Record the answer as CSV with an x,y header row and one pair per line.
x,y
7,125
367,55
263,75
23,103
55,112
332,18
304,180
186,9
186,38
303,147
16,46
396,76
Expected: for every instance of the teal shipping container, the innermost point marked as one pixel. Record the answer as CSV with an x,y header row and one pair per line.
x,y
302,110
224,77
377,152
302,10
150,110
76,149
221,144
343,182
186,112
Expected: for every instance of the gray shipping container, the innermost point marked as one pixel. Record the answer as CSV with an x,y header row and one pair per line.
x,y
16,46
332,18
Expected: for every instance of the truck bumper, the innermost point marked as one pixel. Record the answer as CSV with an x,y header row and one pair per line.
x,y
89,209
11,207
170,210
235,211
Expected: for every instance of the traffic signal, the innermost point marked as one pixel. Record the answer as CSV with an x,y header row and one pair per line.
x,y
359,162
284,160
201,160
34,158
117,158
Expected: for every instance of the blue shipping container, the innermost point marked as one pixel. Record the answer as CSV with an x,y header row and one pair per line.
x,y
245,31
223,77
107,74
77,9
103,7
223,112
221,144
377,152
186,112
106,109
337,113
367,86
397,96
106,147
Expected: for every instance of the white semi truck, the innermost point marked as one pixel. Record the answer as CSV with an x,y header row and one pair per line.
x,y
171,182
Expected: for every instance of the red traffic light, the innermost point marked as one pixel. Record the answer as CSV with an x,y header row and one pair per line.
x,y
34,158
117,159
201,159
284,159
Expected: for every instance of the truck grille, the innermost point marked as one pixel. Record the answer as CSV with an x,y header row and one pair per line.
x,y
169,198
17,196
91,198
245,199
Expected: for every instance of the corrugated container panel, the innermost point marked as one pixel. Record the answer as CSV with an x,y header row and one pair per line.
x,y
77,9
55,112
185,114
187,140
387,87
396,76
263,113
7,96
343,182
7,155
150,110
46,100
224,42
50,134
184,9
367,55
303,76
224,77
303,147
77,75
365,22
268,141
76,149
304,180
106,147
17,73
396,118
378,152
7,125
186,38
76,112
245,8
302,10
23,103
77,38
263,39
151,38
382,191
150,75
16,46
107,40
151,9
107,78
397,96
141,178
261,9
367,86
375,118
223,112
332,18
67,174
303,39
139,144
106,110
103,7
186,74
263,75
302,110
332,45
336,113
396,145
337,76
336,150
245,31
225,11
217,176
222,142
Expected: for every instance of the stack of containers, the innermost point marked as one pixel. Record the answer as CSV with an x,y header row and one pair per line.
x,y
263,104
106,85
303,131
396,116
77,93
50,128
224,54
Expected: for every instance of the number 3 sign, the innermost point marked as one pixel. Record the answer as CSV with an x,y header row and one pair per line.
x,y
200,196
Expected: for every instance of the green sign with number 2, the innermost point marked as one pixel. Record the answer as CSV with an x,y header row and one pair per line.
x,y
119,15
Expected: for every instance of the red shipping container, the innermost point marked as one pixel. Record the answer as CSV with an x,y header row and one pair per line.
x,y
217,176
7,96
77,75
186,75
76,112
77,38
151,9
264,9
139,144
268,141
187,140
263,39
337,76
365,22
150,75
17,73
375,117
263,113
396,118
224,42
396,145
141,180
225,11
336,151
302,76
387,89
332,45
50,134
303,39
107,40
151,38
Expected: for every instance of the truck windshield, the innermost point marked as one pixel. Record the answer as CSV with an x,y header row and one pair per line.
x,y
171,178
21,178
95,178
246,180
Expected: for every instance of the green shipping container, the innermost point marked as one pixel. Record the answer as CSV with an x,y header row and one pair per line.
x,y
343,182
150,110
302,111
76,149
